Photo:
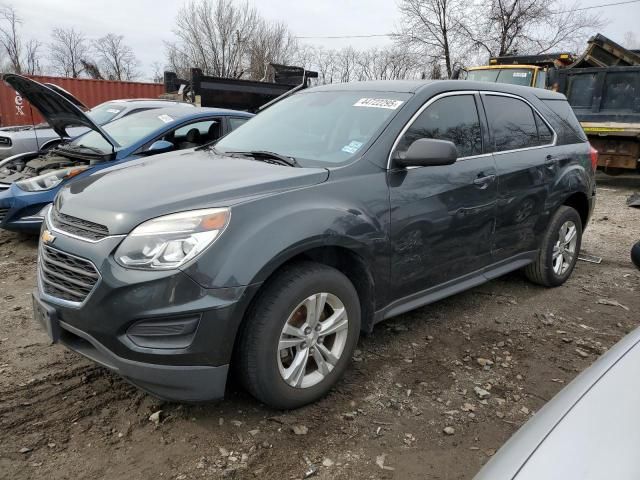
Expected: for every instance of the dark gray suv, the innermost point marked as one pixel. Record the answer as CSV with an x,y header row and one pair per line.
x,y
330,211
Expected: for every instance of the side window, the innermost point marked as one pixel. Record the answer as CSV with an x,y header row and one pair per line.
x,y
511,122
545,134
541,79
235,122
562,110
453,118
195,134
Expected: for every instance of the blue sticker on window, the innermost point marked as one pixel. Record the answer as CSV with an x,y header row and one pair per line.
x,y
353,147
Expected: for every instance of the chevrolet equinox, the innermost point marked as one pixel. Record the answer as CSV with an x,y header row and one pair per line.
x,y
334,209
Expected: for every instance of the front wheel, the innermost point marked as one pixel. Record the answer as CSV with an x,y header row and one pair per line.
x,y
299,335
559,250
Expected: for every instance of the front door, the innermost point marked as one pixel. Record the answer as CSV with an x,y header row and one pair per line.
x,y
442,217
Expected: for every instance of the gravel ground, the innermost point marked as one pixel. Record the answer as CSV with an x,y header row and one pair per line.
x,y
409,407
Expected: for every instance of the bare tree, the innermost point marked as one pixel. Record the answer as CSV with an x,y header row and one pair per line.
x,y
349,64
214,36
270,43
432,28
630,40
10,39
33,57
67,50
325,62
157,75
508,27
117,59
91,69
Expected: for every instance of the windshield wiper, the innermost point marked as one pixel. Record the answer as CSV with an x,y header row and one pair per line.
x,y
264,155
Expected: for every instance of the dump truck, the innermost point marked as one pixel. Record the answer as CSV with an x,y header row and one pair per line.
x,y
237,94
528,70
603,88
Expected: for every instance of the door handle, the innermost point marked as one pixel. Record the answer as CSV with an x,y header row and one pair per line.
x,y
483,182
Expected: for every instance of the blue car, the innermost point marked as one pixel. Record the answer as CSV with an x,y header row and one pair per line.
x,y
30,181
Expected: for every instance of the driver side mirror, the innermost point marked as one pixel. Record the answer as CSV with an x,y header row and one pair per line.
x,y
428,152
160,146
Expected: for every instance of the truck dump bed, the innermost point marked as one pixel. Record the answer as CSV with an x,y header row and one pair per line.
x,y
606,101
237,94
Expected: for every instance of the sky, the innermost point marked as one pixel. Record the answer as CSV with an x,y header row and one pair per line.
x,y
145,24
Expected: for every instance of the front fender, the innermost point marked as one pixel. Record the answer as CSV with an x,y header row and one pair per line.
x,y
264,234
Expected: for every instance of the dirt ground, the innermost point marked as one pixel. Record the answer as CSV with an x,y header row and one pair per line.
x,y
61,417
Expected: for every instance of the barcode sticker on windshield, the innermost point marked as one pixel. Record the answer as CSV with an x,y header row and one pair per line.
x,y
113,110
165,118
520,74
352,147
378,103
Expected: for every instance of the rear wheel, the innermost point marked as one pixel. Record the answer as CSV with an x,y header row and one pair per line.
x,y
299,335
559,250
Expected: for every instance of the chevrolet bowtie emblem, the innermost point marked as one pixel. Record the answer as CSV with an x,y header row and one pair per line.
x,y
47,238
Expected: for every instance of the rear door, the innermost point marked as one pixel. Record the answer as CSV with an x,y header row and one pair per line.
x,y
522,144
442,217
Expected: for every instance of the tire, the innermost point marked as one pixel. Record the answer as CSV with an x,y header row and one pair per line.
x,y
263,365
635,254
542,270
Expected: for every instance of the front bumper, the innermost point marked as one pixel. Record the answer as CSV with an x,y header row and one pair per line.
x,y
19,209
100,327
186,383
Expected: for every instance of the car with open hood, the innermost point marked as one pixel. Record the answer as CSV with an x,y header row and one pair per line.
x,y
41,137
331,210
30,181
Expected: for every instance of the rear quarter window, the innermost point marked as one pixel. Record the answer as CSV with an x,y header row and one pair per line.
x,y
563,113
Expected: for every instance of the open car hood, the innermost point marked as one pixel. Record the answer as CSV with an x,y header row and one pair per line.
x,y
59,110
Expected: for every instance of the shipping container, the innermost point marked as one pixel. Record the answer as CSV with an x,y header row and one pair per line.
x,y
14,110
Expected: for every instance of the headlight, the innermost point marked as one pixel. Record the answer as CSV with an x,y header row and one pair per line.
x,y
170,241
49,180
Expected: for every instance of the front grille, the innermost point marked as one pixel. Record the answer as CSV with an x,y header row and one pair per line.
x,y
65,276
3,213
77,226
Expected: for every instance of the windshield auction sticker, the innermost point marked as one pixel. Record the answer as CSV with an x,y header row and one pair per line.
x,y
378,103
352,147
165,118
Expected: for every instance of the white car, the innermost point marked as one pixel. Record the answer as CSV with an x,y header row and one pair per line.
x,y
588,431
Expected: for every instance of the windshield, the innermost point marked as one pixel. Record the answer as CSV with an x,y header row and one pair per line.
x,y
317,128
514,76
104,113
126,130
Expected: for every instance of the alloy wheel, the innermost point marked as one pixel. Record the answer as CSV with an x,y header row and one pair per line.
x,y
564,250
312,340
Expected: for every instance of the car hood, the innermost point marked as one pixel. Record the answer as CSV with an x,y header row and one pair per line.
x,y
123,196
56,107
